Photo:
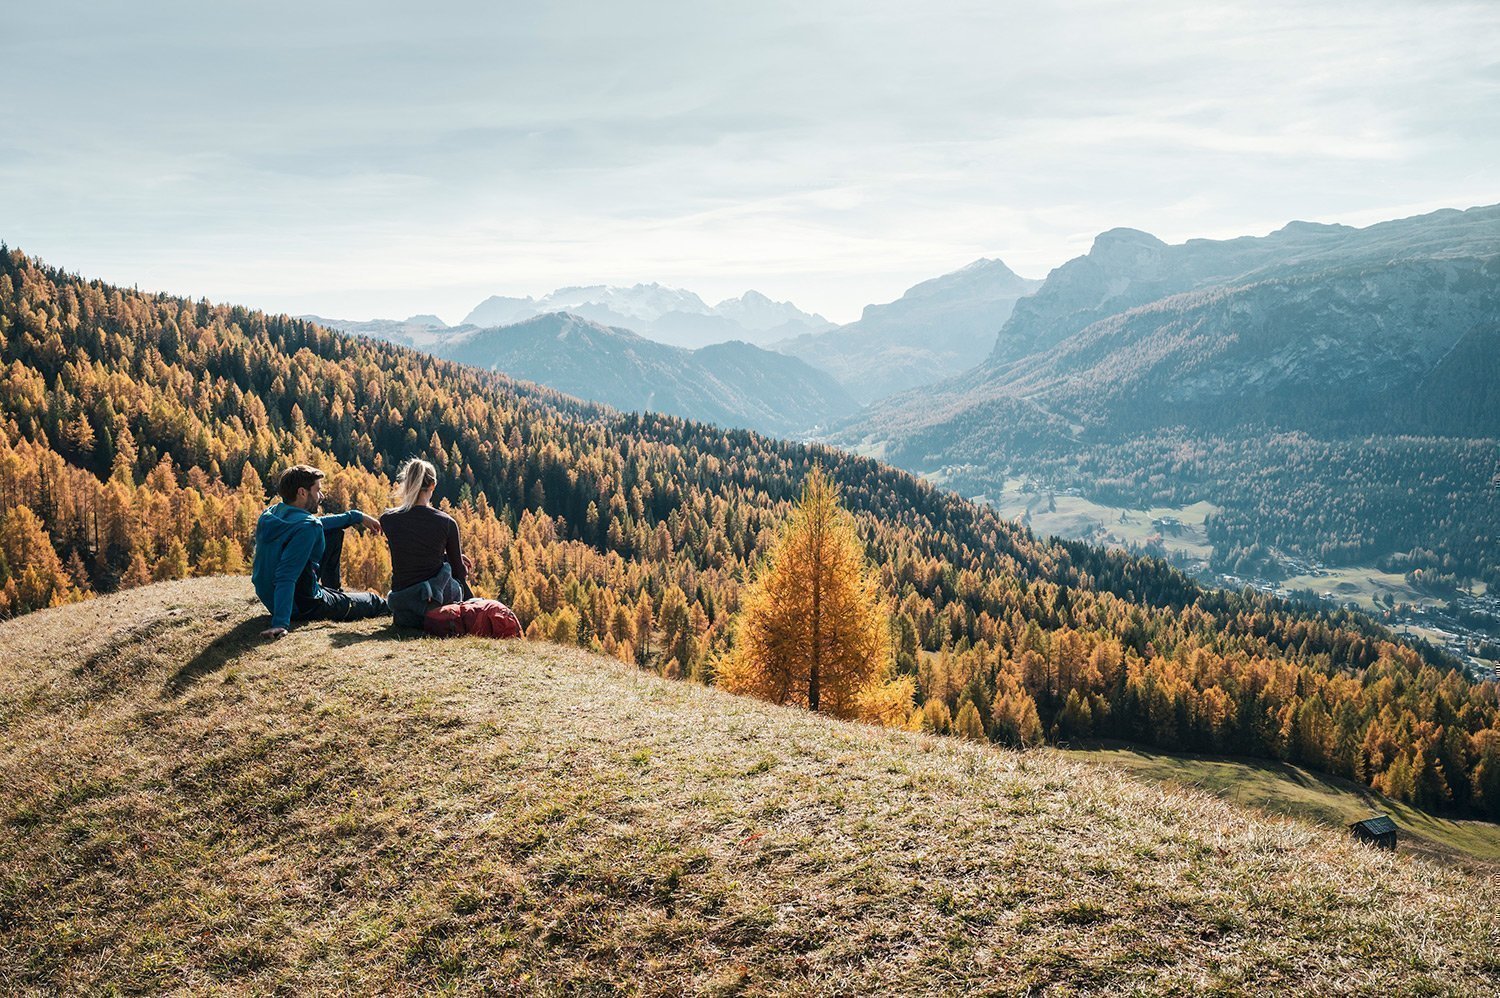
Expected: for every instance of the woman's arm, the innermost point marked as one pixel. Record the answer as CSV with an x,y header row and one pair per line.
x,y
456,559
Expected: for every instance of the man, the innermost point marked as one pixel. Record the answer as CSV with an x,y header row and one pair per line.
x,y
296,570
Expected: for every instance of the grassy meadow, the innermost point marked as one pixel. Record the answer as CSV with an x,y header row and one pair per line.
x,y
1283,789
187,809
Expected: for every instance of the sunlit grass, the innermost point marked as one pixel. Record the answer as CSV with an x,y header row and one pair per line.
x,y
356,813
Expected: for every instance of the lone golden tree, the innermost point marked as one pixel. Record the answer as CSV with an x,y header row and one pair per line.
x,y
813,630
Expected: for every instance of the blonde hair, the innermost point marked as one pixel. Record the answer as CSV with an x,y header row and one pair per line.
x,y
416,475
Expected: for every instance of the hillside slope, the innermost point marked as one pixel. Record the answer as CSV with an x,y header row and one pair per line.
x,y
1287,789
185,807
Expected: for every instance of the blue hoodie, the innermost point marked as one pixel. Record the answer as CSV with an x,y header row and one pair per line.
x,y
288,546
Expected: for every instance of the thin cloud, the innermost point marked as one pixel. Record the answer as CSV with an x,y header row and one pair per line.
x,y
364,159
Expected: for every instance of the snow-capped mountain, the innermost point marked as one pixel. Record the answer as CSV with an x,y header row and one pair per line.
x,y
667,315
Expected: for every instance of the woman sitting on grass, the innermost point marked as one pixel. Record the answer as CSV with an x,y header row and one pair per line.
x,y
428,566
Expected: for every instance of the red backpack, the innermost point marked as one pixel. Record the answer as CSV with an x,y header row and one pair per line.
x,y
483,618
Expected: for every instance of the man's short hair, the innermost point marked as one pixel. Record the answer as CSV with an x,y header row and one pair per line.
x,y
299,476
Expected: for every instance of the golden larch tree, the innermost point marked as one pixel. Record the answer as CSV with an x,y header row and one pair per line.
x,y
813,628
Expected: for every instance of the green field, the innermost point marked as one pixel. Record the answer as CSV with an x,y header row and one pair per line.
x,y
1283,789
1077,518
1361,584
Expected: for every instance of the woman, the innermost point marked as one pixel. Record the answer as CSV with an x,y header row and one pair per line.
x,y
428,566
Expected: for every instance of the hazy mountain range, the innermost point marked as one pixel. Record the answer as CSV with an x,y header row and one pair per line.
x,y
731,384
668,315
937,329
624,346
1397,319
419,331
1316,327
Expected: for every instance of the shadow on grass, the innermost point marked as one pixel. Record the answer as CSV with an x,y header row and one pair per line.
x,y
223,650
1307,779
343,639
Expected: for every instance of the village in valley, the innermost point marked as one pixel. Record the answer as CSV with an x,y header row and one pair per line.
x,y
1465,622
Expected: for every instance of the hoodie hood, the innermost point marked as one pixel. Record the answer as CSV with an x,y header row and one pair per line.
x,y
278,521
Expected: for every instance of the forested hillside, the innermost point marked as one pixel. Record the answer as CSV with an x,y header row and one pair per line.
x,y
140,430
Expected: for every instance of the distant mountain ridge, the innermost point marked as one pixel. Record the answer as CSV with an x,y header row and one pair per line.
x,y
668,315
938,328
1127,268
419,331
935,330
732,384
1138,332
1335,390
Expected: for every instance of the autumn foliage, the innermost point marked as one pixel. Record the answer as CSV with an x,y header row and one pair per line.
x,y
138,432
813,628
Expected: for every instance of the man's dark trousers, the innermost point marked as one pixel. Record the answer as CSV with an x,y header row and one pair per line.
x,y
331,602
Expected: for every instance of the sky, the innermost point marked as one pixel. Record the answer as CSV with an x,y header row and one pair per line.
x,y
373,159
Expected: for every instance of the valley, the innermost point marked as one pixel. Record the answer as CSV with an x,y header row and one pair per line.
x,y
1466,623
1332,391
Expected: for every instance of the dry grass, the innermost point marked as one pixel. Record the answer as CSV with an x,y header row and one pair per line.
x,y
1284,789
184,808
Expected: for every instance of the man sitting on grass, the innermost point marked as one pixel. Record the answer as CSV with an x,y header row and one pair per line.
x,y
296,570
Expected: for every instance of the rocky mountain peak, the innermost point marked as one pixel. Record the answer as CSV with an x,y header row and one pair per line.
x,y
1296,228
1128,250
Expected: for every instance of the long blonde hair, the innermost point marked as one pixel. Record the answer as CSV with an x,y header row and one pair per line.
x,y
415,475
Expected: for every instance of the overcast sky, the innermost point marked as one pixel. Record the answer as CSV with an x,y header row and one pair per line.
x,y
375,159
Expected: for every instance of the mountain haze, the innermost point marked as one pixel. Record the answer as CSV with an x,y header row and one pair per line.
x,y
419,331
731,384
935,330
667,315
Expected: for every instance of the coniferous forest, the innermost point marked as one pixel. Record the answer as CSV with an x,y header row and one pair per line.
x,y
1347,501
139,434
